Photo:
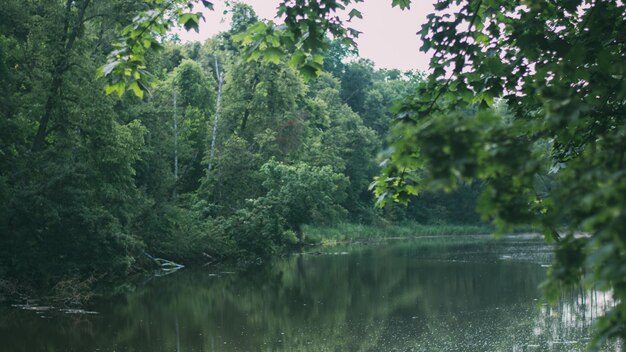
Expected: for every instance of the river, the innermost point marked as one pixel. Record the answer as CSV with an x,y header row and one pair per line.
x,y
466,293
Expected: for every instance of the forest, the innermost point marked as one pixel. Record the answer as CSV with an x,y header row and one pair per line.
x,y
222,159
119,143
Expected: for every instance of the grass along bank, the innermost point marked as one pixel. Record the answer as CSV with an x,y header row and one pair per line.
x,y
346,232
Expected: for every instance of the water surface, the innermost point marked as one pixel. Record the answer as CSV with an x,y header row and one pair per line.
x,y
452,294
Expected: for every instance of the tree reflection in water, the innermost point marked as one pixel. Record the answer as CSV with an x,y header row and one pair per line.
x,y
469,294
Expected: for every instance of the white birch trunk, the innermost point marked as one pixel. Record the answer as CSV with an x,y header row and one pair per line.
x,y
175,143
220,80
175,139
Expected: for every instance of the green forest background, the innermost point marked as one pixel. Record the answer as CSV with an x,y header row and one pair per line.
x,y
90,181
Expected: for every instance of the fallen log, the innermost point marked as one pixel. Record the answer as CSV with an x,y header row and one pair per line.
x,y
164,264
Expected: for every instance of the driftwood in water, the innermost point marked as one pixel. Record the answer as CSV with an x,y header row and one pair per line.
x,y
211,259
164,264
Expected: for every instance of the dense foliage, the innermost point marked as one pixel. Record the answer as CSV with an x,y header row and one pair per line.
x,y
524,106
555,157
91,181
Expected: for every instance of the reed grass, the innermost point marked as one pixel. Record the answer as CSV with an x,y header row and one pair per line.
x,y
346,232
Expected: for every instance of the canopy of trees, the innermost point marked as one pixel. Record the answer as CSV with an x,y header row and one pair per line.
x,y
90,181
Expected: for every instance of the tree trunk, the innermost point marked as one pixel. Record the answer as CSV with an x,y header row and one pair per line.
x,y
220,80
60,68
246,114
245,120
175,143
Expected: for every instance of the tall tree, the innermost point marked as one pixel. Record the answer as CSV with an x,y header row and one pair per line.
x,y
72,198
195,96
218,100
337,137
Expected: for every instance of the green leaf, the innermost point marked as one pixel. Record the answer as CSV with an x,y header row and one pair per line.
x,y
257,28
309,72
297,59
403,4
118,88
207,4
355,13
273,55
318,59
482,38
273,40
109,88
190,21
243,38
136,89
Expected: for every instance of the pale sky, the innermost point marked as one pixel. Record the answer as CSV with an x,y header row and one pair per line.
x,y
389,34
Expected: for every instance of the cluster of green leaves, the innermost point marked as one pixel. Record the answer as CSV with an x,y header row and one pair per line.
x,y
268,42
302,35
126,65
295,195
521,93
304,194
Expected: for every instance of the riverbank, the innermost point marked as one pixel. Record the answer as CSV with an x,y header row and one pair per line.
x,y
77,289
346,232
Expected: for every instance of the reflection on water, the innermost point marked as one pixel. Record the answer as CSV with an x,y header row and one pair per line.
x,y
570,322
467,294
